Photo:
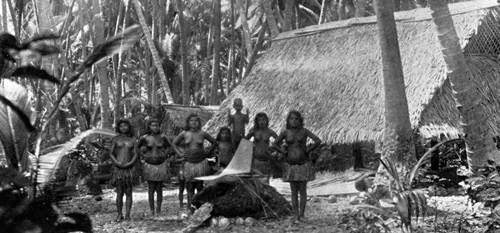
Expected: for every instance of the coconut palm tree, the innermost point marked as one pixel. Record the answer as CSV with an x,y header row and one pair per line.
x,y
183,50
479,143
397,143
154,51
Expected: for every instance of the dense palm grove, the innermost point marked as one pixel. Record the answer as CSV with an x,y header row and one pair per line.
x,y
90,63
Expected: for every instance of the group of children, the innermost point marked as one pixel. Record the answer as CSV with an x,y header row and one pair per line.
x,y
154,150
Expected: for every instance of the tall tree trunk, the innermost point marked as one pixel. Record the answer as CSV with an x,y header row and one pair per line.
x,y
258,45
206,64
214,96
288,15
118,62
397,139
102,71
5,26
325,6
183,50
479,143
271,21
246,31
44,18
360,8
154,52
233,51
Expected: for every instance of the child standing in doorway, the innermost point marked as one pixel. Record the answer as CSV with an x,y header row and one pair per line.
x,y
238,121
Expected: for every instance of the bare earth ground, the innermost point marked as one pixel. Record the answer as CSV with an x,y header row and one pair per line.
x,y
445,214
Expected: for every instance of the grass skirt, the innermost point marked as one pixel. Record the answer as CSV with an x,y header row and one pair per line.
x,y
263,167
124,176
192,170
158,172
304,172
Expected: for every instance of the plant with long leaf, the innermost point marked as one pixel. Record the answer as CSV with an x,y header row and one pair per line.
x,y
405,199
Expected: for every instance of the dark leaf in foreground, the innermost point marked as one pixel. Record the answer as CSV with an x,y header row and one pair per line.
x,y
115,44
31,71
42,36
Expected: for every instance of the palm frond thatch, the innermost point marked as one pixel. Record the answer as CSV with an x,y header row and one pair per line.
x,y
49,163
332,74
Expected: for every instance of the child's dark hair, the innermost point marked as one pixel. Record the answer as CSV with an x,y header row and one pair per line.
x,y
219,135
256,120
298,115
192,115
130,132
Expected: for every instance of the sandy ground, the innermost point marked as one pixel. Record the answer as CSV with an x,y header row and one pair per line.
x,y
445,214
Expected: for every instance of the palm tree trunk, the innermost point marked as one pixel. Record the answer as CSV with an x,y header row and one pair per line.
x,y
4,16
397,140
233,51
258,45
117,62
288,15
183,50
206,64
246,31
154,52
271,21
360,8
214,96
325,5
479,143
102,71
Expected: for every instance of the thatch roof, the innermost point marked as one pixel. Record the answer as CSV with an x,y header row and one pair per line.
x,y
332,73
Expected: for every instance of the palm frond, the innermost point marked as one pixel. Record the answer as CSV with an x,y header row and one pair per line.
x,y
392,171
115,44
49,163
15,122
426,157
41,36
404,208
44,49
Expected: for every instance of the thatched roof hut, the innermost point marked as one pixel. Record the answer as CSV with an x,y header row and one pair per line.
x,y
333,74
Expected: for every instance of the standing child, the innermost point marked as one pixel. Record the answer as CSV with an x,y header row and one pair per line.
x,y
298,168
238,120
225,150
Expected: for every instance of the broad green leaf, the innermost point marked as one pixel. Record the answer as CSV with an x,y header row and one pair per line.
x,y
14,132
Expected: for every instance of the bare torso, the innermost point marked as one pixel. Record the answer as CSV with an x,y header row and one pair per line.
x,y
123,148
262,150
296,141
